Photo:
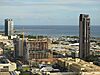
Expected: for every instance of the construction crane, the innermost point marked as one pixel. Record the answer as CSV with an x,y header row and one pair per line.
x,y
23,40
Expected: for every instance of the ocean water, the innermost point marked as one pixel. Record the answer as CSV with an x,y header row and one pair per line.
x,y
54,30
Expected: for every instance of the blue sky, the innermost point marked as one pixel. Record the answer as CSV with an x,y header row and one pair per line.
x,y
49,12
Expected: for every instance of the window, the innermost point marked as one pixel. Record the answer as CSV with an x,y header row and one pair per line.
x,y
6,67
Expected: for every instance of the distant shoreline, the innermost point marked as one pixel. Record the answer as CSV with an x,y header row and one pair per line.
x,y
60,30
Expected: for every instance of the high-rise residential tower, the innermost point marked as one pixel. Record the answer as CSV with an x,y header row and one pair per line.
x,y
84,36
8,27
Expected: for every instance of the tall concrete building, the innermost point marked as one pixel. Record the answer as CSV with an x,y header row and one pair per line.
x,y
19,44
8,27
30,49
84,36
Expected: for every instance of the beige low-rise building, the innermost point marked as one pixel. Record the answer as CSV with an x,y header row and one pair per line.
x,y
4,73
84,66
3,37
6,65
79,66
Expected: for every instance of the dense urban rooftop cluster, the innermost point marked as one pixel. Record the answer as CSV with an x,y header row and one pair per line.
x,y
41,55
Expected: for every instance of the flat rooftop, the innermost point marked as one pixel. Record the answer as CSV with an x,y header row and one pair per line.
x,y
78,63
4,73
88,66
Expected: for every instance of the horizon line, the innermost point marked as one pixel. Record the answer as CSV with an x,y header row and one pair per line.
x,y
50,25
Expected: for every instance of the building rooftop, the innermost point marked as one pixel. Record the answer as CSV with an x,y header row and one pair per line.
x,y
88,66
39,51
4,73
81,64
